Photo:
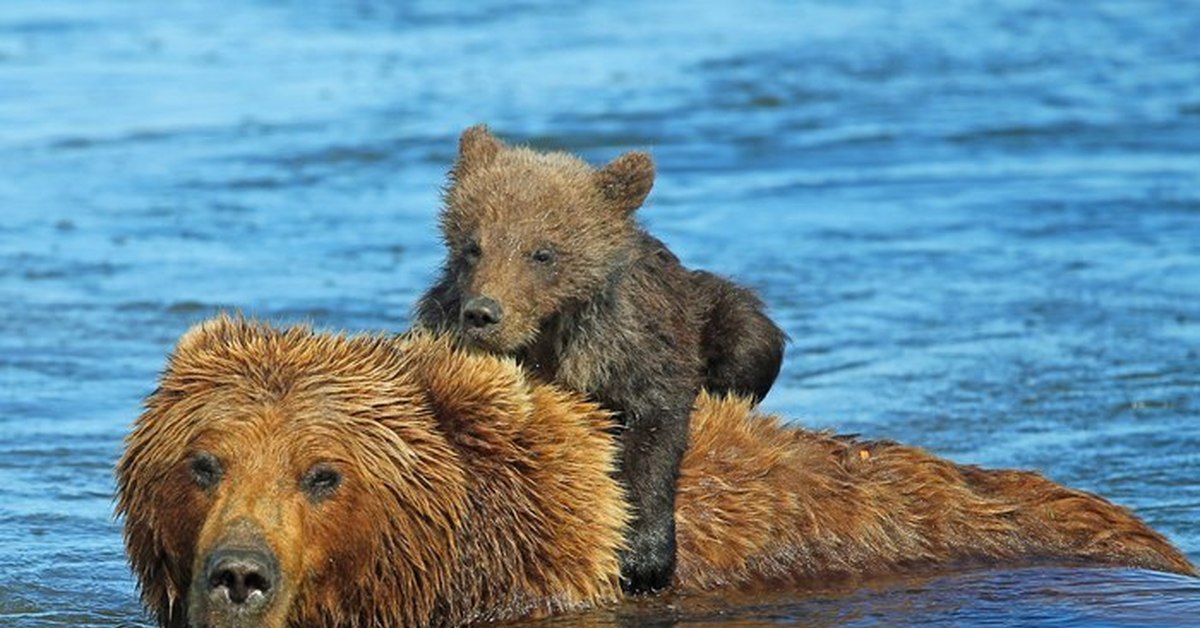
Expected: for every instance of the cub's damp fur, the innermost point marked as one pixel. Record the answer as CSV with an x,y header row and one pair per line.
x,y
547,263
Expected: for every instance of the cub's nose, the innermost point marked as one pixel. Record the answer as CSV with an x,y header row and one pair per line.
x,y
481,312
246,576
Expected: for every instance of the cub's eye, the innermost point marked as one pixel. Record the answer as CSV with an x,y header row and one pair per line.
x,y
321,482
472,251
206,470
544,255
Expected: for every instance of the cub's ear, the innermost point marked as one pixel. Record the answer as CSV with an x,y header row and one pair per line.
x,y
477,147
627,180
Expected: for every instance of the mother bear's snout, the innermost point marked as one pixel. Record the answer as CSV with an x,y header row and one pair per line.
x,y
238,579
241,576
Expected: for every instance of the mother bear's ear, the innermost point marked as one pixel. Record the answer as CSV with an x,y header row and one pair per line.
x,y
209,333
626,180
477,147
478,401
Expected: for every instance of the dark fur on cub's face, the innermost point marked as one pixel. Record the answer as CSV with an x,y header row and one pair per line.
x,y
529,235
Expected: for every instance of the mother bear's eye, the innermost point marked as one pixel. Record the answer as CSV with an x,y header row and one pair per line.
x,y
206,470
544,255
320,482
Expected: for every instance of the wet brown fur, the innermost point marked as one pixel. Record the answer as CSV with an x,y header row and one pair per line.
x,y
762,502
453,504
474,493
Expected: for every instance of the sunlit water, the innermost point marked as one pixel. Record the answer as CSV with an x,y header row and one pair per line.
x,y
979,222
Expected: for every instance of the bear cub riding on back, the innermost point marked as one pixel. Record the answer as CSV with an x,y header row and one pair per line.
x,y
547,264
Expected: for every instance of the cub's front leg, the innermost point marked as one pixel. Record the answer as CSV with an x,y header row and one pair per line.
x,y
652,445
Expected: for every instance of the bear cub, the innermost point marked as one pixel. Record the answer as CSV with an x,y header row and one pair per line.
x,y
546,263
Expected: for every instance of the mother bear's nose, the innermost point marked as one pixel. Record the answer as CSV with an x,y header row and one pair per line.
x,y
245,575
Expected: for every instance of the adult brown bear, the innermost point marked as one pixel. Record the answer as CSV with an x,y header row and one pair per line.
x,y
281,477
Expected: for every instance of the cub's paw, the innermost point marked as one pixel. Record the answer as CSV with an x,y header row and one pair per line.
x,y
647,571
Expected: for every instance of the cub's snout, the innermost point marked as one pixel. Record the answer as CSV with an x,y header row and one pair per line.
x,y
481,314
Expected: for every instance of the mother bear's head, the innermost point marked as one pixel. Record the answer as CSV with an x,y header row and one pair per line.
x,y
281,477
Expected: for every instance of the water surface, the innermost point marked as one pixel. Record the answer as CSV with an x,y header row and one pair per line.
x,y
979,222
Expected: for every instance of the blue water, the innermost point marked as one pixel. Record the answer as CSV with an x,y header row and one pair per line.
x,y
979,222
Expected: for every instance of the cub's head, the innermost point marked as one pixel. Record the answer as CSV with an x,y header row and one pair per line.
x,y
281,477
531,234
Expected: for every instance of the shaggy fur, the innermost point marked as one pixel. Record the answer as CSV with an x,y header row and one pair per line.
x,y
451,507
761,502
547,264
468,492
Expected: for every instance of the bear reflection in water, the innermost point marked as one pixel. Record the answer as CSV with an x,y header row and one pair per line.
x,y
283,477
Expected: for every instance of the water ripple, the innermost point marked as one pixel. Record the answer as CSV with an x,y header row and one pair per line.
x,y
976,220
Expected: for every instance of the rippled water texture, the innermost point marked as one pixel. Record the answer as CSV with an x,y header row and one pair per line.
x,y
979,221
